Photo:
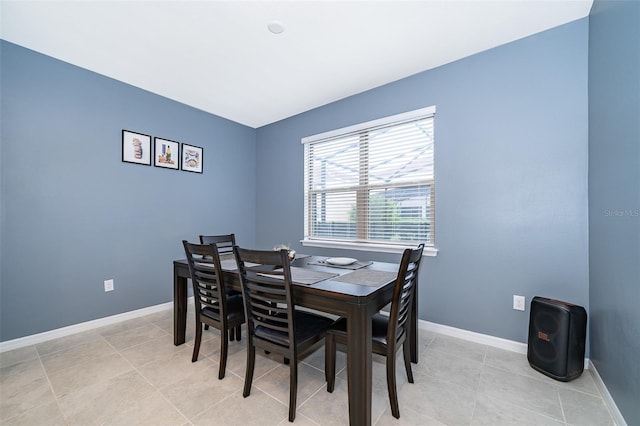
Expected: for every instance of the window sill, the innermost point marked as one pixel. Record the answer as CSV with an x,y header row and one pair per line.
x,y
428,251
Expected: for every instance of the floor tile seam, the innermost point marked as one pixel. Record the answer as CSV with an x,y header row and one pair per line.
x,y
306,416
213,405
151,361
286,403
462,358
156,388
512,404
380,416
6,421
320,389
596,395
432,376
312,366
476,393
162,395
100,357
120,351
559,386
460,340
526,376
256,386
256,378
136,328
53,393
564,416
99,337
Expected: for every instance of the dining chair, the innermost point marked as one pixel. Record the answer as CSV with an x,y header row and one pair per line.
x,y
225,243
273,323
213,305
388,332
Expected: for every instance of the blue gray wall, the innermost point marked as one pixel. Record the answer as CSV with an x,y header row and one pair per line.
x,y
74,215
511,150
511,178
614,199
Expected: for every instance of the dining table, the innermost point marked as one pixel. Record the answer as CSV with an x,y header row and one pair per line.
x,y
355,291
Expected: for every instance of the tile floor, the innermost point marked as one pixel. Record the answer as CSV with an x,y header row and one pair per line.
x,y
130,373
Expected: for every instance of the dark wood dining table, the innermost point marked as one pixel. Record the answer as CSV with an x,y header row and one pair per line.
x,y
356,302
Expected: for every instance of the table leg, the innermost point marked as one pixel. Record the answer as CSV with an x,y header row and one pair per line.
x,y
359,364
179,307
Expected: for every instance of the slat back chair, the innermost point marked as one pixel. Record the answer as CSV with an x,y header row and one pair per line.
x,y
213,306
225,243
273,323
389,333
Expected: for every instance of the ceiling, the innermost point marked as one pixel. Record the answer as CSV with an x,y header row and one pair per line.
x,y
220,57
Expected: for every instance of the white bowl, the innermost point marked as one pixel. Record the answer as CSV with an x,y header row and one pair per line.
x,y
341,261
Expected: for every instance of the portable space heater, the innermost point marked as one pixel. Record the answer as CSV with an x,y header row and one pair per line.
x,y
557,332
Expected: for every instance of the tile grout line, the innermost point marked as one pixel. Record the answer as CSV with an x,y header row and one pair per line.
x,y
53,393
564,416
477,390
145,378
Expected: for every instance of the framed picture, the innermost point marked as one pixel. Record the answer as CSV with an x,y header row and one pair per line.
x,y
136,148
167,154
192,158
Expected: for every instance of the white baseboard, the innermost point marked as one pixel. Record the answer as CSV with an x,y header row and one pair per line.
x,y
85,326
484,339
607,398
496,342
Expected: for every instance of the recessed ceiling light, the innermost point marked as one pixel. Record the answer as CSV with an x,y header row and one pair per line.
x,y
276,27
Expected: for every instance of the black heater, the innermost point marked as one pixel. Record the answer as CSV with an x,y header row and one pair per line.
x,y
557,332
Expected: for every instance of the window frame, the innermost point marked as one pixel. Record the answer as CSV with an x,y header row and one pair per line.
x,y
365,245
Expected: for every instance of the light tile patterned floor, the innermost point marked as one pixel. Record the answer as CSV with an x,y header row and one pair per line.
x,y
132,374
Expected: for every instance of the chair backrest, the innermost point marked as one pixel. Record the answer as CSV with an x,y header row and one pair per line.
x,y
224,242
209,290
268,299
403,292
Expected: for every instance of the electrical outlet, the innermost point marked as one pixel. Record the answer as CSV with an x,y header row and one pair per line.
x,y
518,303
108,285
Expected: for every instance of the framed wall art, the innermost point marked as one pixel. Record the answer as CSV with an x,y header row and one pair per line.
x,y
136,148
167,154
192,157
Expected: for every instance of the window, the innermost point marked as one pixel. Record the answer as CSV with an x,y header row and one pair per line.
x,y
372,185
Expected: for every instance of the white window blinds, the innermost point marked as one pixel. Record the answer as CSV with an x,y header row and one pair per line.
x,y
373,182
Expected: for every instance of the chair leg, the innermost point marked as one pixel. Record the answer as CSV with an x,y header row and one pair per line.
x,y
330,361
224,348
293,389
391,384
406,349
196,343
231,335
206,326
239,333
248,375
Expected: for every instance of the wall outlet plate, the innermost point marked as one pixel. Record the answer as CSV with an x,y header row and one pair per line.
x,y
108,285
518,302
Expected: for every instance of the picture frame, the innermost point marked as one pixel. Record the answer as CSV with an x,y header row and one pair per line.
x,y
166,154
136,148
192,158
